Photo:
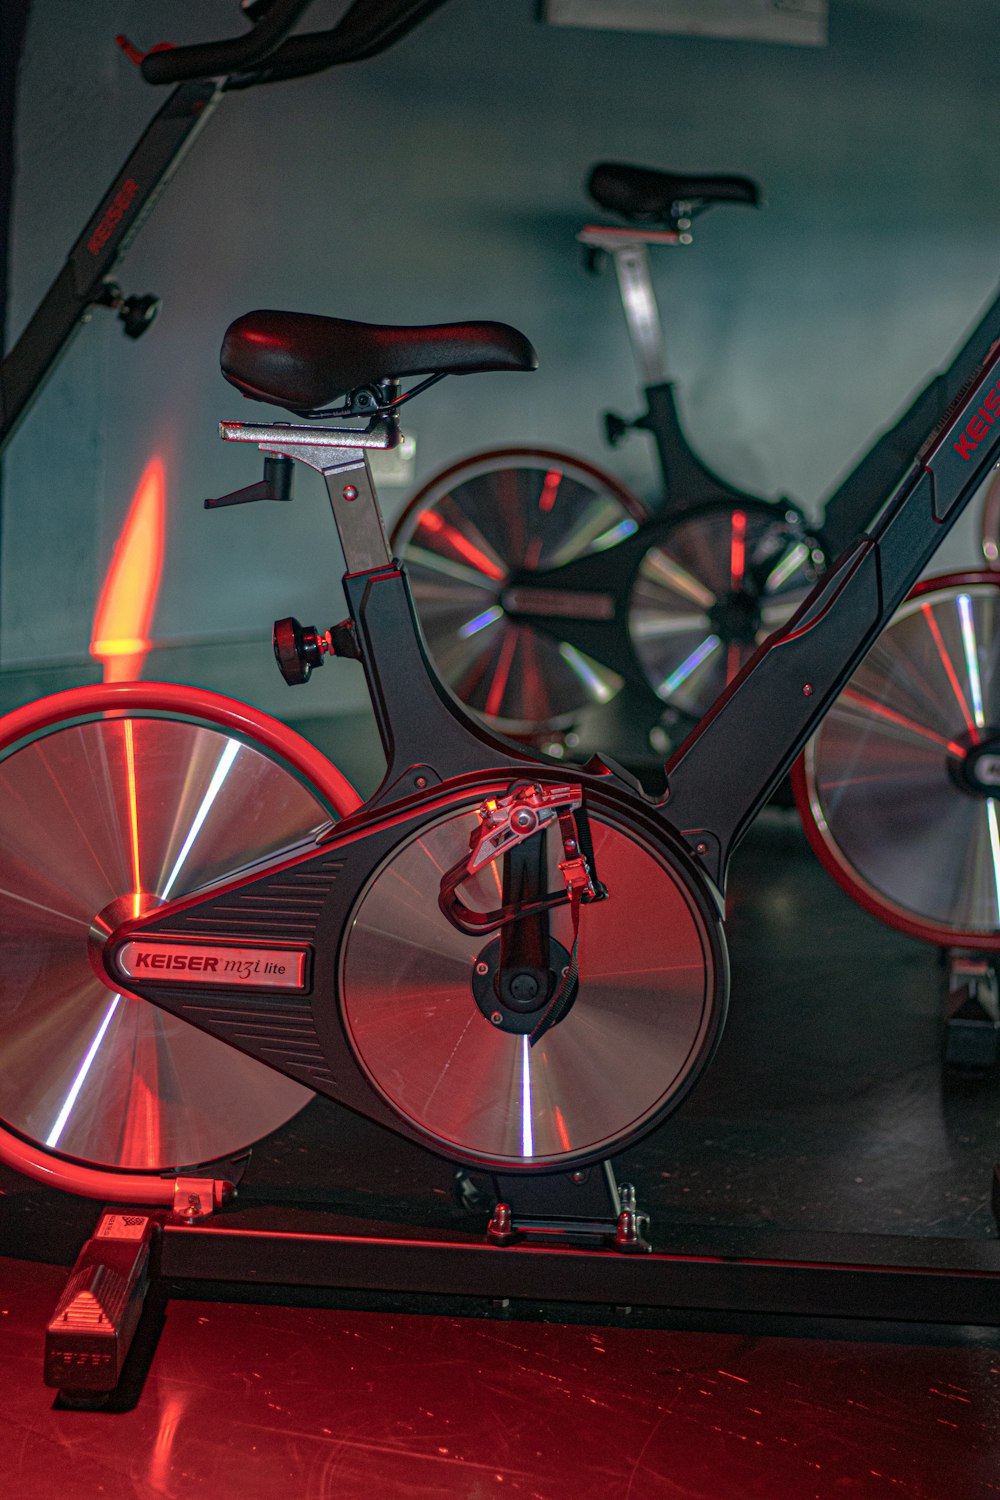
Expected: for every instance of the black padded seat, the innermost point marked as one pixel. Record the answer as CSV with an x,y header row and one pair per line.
x,y
302,361
649,197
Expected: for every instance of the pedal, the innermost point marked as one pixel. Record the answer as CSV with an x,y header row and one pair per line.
x,y
90,1333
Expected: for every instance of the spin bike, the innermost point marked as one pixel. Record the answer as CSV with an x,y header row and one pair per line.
x,y
519,965
556,605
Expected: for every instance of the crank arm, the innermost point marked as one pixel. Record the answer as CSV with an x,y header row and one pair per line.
x,y
477,923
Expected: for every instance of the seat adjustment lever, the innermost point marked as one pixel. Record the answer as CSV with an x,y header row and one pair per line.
x,y
276,485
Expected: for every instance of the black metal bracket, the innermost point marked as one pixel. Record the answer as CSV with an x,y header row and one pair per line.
x,y
276,485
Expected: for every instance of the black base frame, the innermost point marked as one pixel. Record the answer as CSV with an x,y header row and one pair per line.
x,y
697,1272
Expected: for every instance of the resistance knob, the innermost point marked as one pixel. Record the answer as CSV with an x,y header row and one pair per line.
x,y
297,649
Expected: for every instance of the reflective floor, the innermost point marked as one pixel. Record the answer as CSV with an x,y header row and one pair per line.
x,y
261,1402
825,1109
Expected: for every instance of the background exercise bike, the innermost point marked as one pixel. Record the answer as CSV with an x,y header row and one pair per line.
x,y
559,606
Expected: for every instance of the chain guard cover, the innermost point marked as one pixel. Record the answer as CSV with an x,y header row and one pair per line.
x,y
386,1021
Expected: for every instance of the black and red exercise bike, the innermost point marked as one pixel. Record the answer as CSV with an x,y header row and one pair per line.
x,y
519,965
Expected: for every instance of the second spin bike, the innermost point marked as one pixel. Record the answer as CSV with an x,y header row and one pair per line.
x,y
558,606
520,965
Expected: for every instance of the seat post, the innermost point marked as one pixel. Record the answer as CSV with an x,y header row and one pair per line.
x,y
627,248
642,313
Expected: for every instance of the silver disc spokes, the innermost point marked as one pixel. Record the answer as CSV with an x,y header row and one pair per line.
x,y
900,787
711,591
102,820
465,536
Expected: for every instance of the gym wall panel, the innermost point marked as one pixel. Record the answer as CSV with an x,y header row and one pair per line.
x,y
443,180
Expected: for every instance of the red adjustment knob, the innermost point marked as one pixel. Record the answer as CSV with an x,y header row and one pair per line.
x,y
297,649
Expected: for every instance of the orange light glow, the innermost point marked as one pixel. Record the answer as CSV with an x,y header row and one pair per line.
x,y
125,608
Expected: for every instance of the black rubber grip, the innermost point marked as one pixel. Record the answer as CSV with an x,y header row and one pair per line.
x,y
217,59
368,28
270,56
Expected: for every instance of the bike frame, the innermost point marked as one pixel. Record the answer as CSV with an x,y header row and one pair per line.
x,y
438,758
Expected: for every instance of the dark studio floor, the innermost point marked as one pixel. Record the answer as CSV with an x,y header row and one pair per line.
x,y
823,1111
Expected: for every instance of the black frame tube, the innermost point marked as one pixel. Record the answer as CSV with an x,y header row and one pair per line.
x,y
203,74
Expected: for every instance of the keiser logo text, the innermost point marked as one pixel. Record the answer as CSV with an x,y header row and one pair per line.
x,y
193,961
980,424
268,968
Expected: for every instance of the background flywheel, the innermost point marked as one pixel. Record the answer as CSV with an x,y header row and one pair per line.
x,y
463,538
714,586
899,790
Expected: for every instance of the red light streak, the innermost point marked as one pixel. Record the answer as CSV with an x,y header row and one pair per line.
x,y
432,522
948,665
133,817
738,551
547,499
851,695
561,1127
125,608
142,1128
499,684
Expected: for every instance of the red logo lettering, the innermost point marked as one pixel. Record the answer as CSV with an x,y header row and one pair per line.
x,y
113,217
964,448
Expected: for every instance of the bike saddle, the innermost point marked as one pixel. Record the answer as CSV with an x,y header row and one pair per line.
x,y
649,197
302,361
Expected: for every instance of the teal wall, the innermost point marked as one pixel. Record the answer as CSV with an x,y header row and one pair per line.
x,y
443,180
